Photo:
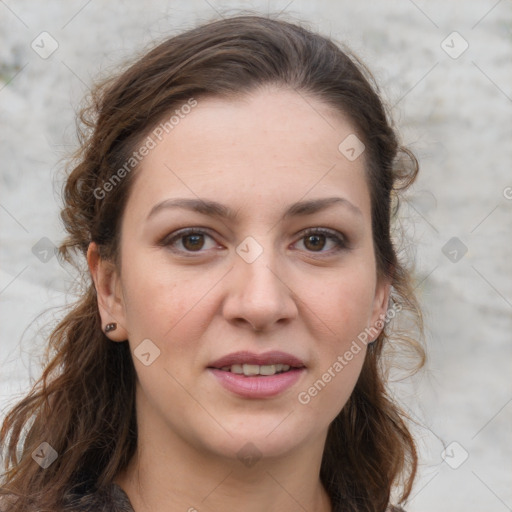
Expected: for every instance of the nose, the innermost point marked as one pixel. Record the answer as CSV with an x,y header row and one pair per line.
x,y
259,297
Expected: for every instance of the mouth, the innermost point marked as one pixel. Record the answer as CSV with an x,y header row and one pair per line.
x,y
257,375
251,364
251,370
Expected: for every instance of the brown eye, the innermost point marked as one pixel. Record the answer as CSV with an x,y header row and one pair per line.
x,y
190,240
316,239
314,242
193,242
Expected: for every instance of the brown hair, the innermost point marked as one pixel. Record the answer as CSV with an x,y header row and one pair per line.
x,y
83,404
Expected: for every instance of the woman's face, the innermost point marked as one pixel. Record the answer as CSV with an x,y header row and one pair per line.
x,y
271,273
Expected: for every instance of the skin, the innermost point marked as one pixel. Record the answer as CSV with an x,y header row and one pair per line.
x,y
256,154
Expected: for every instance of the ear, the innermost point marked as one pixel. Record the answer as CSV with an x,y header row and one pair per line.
x,y
380,305
109,292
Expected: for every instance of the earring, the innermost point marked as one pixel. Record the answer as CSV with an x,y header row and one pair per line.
x,y
110,327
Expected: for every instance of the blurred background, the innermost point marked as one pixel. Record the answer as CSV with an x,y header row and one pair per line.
x,y
445,69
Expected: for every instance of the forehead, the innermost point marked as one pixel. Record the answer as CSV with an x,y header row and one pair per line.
x,y
266,149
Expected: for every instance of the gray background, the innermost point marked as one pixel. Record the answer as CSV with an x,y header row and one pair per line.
x,y
453,109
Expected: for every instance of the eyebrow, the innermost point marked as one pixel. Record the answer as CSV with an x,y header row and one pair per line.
x,y
215,209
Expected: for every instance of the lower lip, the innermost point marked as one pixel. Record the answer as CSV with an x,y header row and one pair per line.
x,y
258,386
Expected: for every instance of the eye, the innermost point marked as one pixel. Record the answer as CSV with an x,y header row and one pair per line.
x,y
192,240
187,240
315,239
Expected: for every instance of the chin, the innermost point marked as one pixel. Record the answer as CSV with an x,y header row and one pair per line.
x,y
273,435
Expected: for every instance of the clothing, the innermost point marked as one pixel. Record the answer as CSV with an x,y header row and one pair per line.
x,y
111,499
114,499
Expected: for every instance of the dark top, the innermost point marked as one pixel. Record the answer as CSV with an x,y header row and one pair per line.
x,y
114,499
110,499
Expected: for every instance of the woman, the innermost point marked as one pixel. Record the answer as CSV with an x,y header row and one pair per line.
x,y
233,197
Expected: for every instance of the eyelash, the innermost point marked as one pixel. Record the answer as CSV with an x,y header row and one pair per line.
x,y
339,240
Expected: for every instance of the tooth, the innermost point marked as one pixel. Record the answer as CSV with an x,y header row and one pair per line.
x,y
237,368
251,369
268,369
254,369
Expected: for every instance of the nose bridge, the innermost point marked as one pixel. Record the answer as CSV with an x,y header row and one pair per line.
x,y
258,293
258,262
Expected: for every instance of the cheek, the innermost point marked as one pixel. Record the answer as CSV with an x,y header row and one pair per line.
x,y
166,306
327,393
351,308
343,311
343,304
341,355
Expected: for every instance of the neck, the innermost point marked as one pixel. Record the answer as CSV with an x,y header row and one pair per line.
x,y
174,470
157,481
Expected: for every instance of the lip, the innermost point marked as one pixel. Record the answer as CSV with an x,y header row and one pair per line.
x,y
261,386
264,386
272,357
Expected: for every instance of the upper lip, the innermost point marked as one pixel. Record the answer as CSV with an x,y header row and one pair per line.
x,y
267,358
